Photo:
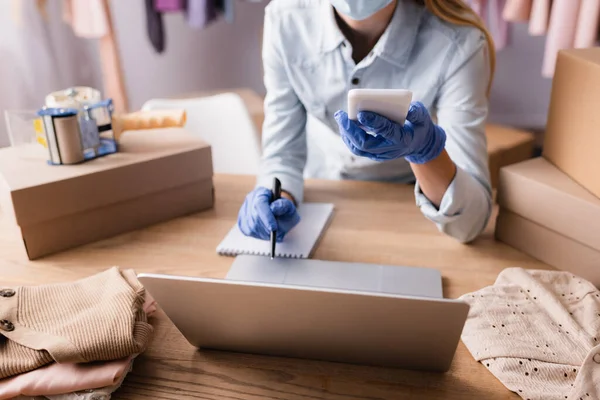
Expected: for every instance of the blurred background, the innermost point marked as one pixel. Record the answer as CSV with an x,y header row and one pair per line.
x,y
40,53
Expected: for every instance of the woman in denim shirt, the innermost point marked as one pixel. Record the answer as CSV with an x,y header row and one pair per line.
x,y
315,51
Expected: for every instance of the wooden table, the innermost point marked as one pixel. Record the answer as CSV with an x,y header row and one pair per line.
x,y
373,223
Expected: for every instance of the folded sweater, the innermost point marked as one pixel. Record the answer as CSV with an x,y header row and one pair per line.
x,y
98,318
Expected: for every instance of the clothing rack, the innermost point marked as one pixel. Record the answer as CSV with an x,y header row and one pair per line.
x,y
565,23
92,19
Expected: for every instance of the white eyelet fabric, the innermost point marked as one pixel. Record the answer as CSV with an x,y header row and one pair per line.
x,y
538,332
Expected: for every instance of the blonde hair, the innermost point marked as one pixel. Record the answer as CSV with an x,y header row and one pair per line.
x,y
459,13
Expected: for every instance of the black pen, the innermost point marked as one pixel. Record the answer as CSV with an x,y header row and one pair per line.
x,y
276,196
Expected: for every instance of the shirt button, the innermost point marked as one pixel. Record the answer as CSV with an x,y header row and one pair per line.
x,y
597,358
355,81
6,326
7,293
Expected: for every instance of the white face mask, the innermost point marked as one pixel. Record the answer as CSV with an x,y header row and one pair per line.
x,y
359,9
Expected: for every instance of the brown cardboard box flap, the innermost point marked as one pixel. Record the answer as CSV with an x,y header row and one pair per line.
x,y
548,246
148,161
572,136
537,190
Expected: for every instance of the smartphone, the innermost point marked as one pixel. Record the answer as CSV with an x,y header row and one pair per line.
x,y
390,103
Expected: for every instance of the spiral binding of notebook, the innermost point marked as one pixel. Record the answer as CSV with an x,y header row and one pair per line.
x,y
298,243
233,253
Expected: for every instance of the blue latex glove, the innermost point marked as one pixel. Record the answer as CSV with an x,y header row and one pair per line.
x,y
419,140
258,217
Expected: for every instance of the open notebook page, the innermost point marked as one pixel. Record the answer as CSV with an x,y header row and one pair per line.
x,y
298,243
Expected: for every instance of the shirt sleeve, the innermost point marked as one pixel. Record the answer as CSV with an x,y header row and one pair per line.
x,y
284,148
462,108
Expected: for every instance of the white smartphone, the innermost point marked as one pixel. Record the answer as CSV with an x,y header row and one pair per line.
x,y
390,103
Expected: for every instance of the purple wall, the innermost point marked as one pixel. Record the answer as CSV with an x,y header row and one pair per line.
x,y
520,95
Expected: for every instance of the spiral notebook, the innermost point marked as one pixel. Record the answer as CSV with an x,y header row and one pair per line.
x,y
298,243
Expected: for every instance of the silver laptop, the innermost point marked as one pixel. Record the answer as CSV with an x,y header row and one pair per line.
x,y
332,311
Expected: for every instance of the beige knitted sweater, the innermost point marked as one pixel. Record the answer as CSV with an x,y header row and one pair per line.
x,y
95,319
538,332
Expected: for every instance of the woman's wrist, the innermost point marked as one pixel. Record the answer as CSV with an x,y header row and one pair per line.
x,y
288,195
432,149
435,176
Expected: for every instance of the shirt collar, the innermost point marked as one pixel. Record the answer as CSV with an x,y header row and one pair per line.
x,y
397,41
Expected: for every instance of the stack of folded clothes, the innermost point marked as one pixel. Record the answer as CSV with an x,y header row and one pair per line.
x,y
73,340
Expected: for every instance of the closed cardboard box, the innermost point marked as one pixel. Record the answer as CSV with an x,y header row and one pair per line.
x,y
157,175
572,137
548,246
538,191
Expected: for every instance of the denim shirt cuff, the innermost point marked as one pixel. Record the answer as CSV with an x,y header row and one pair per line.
x,y
453,202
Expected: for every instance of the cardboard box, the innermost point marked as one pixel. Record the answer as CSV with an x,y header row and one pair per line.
x,y
548,246
507,146
157,175
537,190
572,137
